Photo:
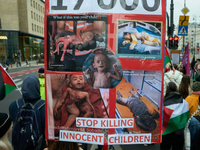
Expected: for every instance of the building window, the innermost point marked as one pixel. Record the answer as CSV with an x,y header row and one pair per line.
x,y
37,17
32,27
35,27
31,2
34,4
32,14
41,9
38,7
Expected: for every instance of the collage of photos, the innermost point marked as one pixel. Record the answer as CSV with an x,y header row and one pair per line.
x,y
82,71
82,94
138,96
71,39
139,39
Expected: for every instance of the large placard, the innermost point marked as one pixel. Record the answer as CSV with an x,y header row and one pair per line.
x,y
104,70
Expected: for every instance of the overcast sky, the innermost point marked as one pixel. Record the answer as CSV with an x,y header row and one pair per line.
x,y
192,5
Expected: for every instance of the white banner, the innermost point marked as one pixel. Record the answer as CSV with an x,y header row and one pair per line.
x,y
81,137
147,7
104,123
129,139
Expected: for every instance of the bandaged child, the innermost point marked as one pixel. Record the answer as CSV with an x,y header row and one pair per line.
x,y
143,36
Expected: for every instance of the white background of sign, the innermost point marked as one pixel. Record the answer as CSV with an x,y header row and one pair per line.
x,y
91,6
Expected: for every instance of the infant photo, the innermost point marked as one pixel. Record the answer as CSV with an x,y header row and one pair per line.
x,y
69,97
139,39
102,69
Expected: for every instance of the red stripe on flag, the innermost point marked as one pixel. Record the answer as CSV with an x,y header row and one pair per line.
x,y
167,53
166,116
6,78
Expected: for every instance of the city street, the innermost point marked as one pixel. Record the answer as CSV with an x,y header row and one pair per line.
x,y
20,73
108,68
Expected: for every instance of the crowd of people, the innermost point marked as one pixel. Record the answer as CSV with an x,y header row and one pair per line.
x,y
178,85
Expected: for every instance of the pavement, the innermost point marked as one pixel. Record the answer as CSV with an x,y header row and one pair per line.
x,y
23,64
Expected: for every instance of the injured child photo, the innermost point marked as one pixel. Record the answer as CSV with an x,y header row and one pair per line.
x,y
102,69
138,96
71,97
136,37
71,41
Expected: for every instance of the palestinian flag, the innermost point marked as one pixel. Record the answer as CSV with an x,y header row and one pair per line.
x,y
167,56
175,113
6,83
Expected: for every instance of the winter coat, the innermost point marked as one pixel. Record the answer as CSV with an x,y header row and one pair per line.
x,y
170,76
193,101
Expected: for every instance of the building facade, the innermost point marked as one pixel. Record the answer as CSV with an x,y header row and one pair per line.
x,y
21,30
193,38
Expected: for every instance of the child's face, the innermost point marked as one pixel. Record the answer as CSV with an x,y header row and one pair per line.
x,y
77,81
100,62
127,36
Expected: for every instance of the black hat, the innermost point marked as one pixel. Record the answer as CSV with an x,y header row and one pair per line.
x,y
41,70
5,122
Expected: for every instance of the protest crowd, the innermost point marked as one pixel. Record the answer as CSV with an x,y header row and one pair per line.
x,y
25,122
182,85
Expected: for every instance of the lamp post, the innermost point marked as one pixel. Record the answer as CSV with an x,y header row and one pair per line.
x,y
172,17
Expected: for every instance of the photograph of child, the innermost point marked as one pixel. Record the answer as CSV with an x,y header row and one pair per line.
x,y
76,96
72,39
70,97
138,96
102,69
139,38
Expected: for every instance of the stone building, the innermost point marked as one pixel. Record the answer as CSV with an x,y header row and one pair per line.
x,y
21,30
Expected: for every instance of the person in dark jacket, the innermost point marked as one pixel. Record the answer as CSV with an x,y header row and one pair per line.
x,y
30,93
194,128
192,68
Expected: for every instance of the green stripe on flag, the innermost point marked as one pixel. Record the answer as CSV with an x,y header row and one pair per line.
x,y
9,88
167,60
177,123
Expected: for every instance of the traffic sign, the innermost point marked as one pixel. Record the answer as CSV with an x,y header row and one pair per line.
x,y
183,30
183,20
185,10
